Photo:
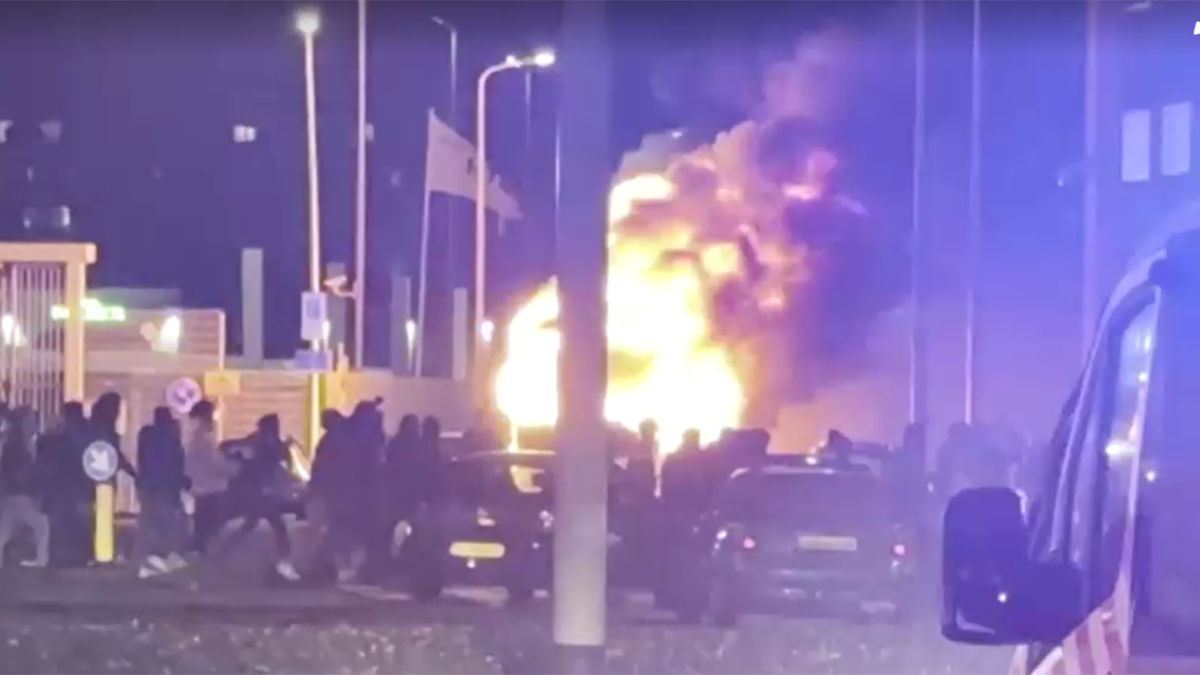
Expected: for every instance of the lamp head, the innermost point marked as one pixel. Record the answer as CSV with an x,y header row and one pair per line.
x,y
308,22
543,58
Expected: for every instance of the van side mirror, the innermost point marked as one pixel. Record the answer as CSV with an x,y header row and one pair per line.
x,y
992,593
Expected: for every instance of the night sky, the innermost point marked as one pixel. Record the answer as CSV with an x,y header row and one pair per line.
x,y
148,93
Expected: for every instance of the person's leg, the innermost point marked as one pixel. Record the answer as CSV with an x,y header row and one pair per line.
x,y
40,524
206,521
8,525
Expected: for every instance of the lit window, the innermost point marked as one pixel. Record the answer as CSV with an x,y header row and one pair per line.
x,y
1175,154
1135,146
244,134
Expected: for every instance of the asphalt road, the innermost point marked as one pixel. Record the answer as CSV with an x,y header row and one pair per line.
x,y
227,617
469,631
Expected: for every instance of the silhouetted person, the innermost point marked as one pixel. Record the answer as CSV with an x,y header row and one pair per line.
x,y
22,487
70,495
429,461
106,413
250,496
840,450
160,484
340,494
643,463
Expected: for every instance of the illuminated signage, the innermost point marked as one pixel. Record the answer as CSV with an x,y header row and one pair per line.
x,y
94,311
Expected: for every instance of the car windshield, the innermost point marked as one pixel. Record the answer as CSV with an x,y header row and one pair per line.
x,y
500,478
807,499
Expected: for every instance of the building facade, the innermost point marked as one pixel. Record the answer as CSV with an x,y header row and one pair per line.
x,y
1149,94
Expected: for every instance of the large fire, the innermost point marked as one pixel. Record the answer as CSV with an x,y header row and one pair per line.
x,y
699,258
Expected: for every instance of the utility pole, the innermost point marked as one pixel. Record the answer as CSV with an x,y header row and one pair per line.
x,y
581,497
360,196
974,216
918,394
1091,189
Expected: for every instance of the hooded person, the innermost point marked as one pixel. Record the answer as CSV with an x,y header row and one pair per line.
x,y
70,494
339,506
160,483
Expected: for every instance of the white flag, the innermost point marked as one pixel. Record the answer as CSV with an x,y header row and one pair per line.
x,y
450,169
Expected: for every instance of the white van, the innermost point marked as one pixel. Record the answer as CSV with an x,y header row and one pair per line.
x,y
1103,575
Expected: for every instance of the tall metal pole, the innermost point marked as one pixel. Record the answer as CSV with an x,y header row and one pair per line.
x,y
314,224
917,395
581,521
360,197
479,358
974,215
314,201
1091,189
453,121
528,121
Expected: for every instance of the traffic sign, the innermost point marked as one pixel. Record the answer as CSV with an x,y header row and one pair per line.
x,y
182,394
218,383
314,315
100,461
320,361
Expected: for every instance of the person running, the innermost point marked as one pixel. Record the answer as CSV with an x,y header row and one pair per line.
x,y
249,492
335,497
208,472
22,488
160,486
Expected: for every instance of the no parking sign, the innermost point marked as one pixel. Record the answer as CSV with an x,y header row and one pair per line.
x,y
182,394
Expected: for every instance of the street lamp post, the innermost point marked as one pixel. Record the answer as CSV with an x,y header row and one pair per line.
x,y
308,23
540,59
452,211
360,196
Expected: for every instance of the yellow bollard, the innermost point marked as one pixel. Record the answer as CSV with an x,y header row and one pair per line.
x,y
103,542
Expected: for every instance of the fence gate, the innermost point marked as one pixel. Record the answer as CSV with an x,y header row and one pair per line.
x,y
42,288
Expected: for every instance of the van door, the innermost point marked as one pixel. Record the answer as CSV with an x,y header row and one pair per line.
x,y
1166,614
1087,526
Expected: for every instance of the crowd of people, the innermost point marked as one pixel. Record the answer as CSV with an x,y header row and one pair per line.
x,y
190,486
363,486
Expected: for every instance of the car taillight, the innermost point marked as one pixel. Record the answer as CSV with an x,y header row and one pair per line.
x,y
749,544
899,550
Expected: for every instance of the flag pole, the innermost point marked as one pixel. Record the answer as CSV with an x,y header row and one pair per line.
x,y
974,218
360,197
1091,190
917,398
423,269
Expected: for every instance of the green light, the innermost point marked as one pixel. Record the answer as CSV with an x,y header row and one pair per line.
x,y
94,311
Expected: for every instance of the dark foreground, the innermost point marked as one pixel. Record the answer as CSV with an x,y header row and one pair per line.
x,y
222,618
278,631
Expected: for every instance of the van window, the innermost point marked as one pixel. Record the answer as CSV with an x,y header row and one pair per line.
x,y
1110,446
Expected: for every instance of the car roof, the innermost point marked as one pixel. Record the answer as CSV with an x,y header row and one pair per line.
x,y
505,455
802,469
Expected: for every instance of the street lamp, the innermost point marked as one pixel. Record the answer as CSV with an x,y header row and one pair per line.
x,y
308,23
543,58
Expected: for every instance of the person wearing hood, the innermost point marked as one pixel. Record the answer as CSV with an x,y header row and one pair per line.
x,y
160,485
22,487
70,493
335,495
209,472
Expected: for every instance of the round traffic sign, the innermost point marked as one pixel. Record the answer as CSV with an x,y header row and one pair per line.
x,y
182,394
100,461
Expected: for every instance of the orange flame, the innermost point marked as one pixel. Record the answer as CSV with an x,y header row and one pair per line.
x,y
677,240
